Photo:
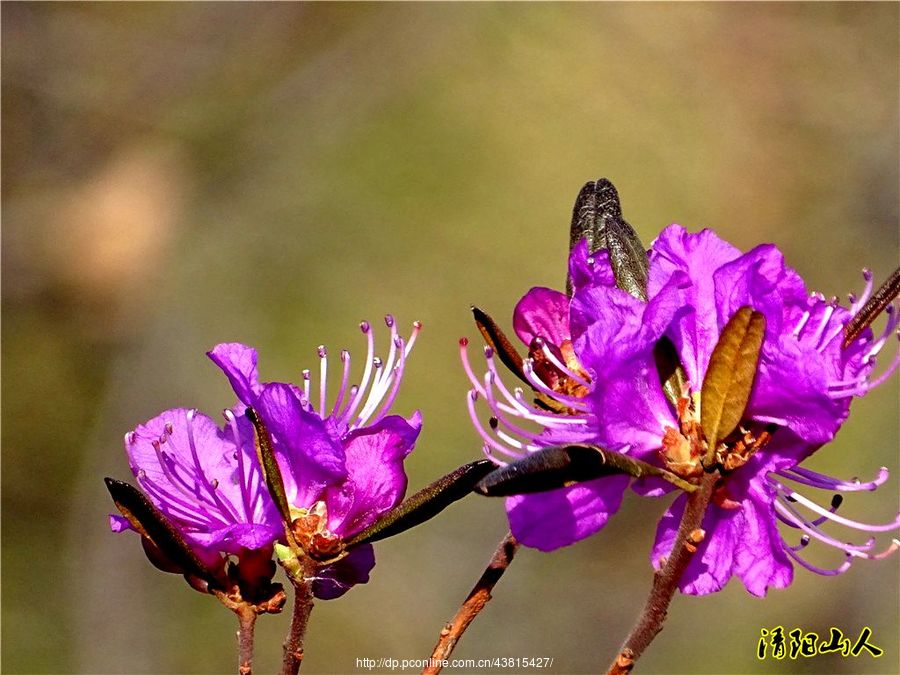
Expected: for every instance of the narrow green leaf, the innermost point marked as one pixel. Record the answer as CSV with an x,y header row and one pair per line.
x,y
425,504
560,466
155,527
729,377
270,469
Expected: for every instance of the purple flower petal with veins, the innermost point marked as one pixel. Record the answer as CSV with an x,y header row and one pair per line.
x,y
205,480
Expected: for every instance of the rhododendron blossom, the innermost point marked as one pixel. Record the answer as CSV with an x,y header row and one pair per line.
x,y
594,373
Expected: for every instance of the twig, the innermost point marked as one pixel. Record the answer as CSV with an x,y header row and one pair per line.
x,y
474,603
303,604
247,621
665,581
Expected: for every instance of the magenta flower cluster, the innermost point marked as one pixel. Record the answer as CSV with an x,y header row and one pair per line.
x,y
592,365
342,462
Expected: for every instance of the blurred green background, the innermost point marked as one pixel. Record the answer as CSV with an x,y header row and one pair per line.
x,y
176,175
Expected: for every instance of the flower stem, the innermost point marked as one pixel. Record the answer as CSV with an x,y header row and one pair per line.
x,y
665,581
247,622
473,604
303,604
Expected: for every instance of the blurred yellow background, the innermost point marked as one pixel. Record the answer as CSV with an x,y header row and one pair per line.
x,y
177,175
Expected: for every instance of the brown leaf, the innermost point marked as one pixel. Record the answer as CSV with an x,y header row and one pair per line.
x,y
729,377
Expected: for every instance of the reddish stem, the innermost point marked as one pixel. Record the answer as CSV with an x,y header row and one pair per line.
x,y
303,604
247,622
665,581
474,603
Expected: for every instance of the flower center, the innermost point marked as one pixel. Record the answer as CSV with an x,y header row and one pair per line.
x,y
310,528
560,371
684,447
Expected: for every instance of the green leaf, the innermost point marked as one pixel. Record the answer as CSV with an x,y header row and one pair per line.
x,y
425,504
270,469
729,377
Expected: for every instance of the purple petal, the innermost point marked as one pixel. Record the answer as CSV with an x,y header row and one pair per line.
x,y
544,313
550,520
760,560
190,470
335,580
587,271
315,458
697,256
238,362
760,279
119,523
743,541
711,566
376,481
805,404
616,346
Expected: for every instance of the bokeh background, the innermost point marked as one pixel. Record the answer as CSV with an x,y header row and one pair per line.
x,y
176,175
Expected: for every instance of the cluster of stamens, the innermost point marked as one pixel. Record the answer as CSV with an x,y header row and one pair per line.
x,y
787,499
310,529
813,328
560,389
369,401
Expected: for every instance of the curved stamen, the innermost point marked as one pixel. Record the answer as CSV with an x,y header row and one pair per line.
x,y
345,378
170,467
894,546
823,482
547,420
564,369
812,506
486,451
819,570
804,542
861,385
471,397
893,318
869,278
791,517
509,440
499,414
367,372
177,506
537,383
323,378
467,366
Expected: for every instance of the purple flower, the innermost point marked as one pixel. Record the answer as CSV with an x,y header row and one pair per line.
x,y
205,481
342,464
592,365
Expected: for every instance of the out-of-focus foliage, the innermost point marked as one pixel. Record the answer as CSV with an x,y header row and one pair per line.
x,y
175,175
